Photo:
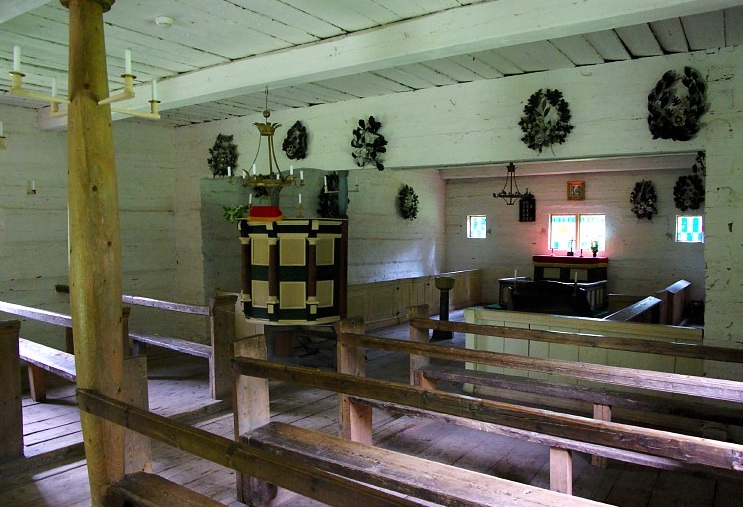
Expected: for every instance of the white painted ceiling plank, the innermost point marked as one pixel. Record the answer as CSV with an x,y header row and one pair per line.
x,y
336,12
452,69
291,16
404,78
498,62
639,40
430,74
536,57
578,50
10,9
479,67
670,35
609,45
704,31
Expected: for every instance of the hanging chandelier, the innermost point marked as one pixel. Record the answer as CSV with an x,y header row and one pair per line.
x,y
273,180
510,197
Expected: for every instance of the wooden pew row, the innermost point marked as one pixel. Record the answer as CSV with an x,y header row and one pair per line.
x,y
221,324
407,475
675,303
562,432
39,357
646,310
323,467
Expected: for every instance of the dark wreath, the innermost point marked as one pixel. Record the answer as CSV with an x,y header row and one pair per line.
x,y
674,113
408,203
368,144
223,155
295,143
643,199
546,119
688,192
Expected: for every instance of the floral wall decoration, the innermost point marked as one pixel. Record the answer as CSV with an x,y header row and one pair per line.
x,y
676,105
368,144
295,143
223,159
546,119
688,192
408,201
643,199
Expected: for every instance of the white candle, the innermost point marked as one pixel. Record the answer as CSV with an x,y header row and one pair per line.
x,y
128,61
277,175
33,185
575,277
17,58
301,175
154,89
54,87
515,273
253,169
291,170
250,199
300,198
325,180
1,130
245,174
229,171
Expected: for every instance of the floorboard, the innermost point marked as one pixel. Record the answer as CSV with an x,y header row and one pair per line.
x,y
180,388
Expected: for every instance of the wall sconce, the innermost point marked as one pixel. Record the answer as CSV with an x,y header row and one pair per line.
x,y
2,137
342,182
510,197
274,179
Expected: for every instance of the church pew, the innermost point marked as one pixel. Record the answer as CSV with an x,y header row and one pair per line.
x,y
11,415
418,478
320,466
675,303
221,332
645,310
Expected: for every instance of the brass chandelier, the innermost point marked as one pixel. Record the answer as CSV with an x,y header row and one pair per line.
x,y
273,180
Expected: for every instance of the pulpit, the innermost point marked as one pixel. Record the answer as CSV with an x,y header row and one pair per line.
x,y
294,271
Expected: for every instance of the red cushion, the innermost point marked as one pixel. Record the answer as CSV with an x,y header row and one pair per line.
x,y
265,213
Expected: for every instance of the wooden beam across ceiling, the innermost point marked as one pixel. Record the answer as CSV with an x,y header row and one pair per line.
x,y
468,29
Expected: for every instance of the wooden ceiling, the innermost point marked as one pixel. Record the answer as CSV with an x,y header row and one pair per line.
x,y
218,56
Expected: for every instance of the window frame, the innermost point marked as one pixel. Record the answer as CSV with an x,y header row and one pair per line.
x,y
577,233
469,226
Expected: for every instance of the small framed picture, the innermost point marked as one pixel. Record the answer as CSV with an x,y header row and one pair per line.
x,y
576,190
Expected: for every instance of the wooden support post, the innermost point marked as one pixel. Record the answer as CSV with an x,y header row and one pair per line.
x,y
137,448
561,470
222,330
418,335
602,413
95,241
11,407
251,410
355,420
36,382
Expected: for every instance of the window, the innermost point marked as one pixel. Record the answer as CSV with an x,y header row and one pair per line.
x,y
564,229
690,229
476,226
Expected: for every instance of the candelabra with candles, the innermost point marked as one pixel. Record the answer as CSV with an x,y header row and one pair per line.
x,y
275,179
127,93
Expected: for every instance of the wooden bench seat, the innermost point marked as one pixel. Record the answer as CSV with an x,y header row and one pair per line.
x,y
151,490
407,475
40,358
171,343
645,310
697,409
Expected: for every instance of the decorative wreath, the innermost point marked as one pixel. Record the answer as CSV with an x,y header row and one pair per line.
x,y
674,113
223,155
408,203
688,192
643,199
295,143
368,144
546,119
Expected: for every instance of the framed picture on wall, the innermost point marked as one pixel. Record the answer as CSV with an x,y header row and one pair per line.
x,y
576,190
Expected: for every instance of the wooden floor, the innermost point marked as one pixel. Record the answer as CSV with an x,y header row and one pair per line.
x,y
54,472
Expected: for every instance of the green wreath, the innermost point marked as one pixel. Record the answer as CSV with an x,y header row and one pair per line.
x,y
368,144
643,199
408,203
223,155
688,192
673,114
546,119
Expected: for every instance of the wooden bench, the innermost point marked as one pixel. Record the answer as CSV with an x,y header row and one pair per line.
x,y
675,303
40,358
319,466
356,460
221,313
646,310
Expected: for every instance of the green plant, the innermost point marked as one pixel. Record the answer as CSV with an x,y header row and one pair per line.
x,y
234,213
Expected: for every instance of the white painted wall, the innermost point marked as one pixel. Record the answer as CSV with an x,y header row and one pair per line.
x,y
643,256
